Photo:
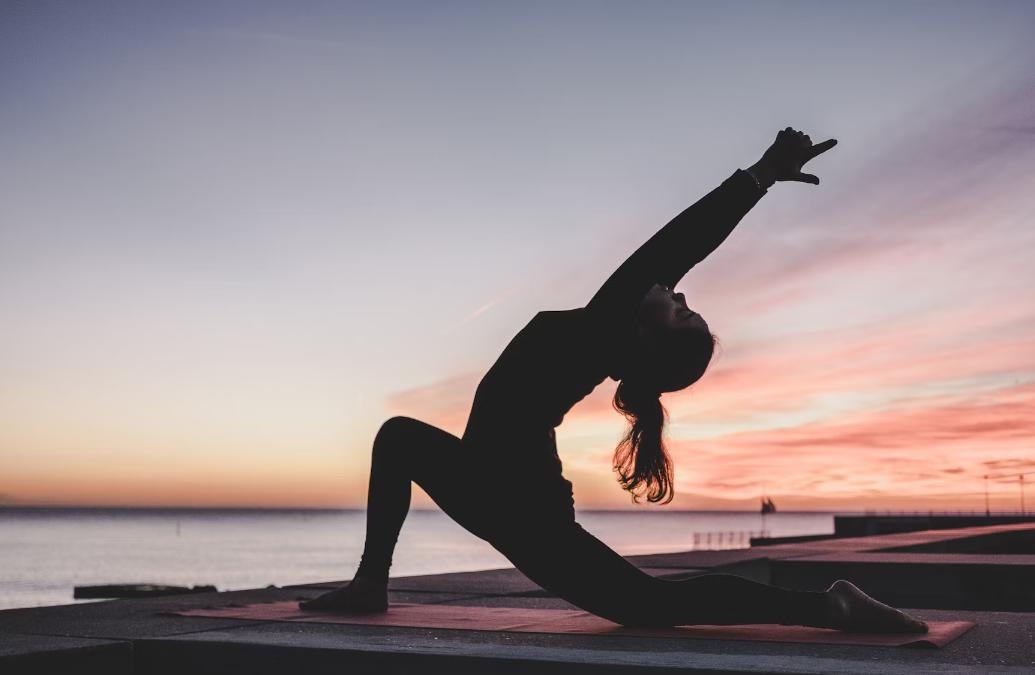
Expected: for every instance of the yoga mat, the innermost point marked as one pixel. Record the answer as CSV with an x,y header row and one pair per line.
x,y
569,621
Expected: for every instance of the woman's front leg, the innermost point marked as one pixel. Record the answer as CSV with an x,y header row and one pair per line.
x,y
404,450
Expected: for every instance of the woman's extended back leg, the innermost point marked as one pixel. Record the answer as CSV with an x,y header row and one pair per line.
x,y
576,566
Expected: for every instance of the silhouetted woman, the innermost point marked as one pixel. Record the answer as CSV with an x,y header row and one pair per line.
x,y
502,481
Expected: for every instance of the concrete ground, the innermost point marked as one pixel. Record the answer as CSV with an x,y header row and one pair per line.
x,y
141,636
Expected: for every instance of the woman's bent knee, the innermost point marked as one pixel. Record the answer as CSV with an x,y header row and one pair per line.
x,y
395,429
413,444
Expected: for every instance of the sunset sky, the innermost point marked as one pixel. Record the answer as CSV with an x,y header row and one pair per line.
x,y
235,237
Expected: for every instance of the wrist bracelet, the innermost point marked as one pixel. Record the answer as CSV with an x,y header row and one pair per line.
x,y
758,183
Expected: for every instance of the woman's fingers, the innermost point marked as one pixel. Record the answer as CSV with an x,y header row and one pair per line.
x,y
790,152
821,147
810,153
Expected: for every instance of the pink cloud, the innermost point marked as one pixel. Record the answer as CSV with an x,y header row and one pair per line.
x,y
944,446
444,404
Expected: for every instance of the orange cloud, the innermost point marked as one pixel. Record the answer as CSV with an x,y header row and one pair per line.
x,y
942,447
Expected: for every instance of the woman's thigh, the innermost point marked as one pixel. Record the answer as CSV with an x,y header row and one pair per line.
x,y
576,566
444,468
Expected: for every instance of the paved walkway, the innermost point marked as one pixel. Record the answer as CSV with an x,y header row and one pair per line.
x,y
142,637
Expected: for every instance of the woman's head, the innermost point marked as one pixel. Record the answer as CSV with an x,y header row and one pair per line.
x,y
671,346
670,350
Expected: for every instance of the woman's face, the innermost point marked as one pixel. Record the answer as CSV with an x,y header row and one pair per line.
x,y
674,343
664,311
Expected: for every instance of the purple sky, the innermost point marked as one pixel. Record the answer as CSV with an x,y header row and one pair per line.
x,y
237,236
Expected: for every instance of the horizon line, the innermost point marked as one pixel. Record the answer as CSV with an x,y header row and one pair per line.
x,y
873,512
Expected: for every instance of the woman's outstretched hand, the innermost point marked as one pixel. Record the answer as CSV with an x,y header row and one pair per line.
x,y
786,156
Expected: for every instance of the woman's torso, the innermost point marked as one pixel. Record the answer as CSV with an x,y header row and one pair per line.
x,y
554,362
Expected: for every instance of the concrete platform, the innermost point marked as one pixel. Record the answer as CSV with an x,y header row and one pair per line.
x,y
141,636
47,654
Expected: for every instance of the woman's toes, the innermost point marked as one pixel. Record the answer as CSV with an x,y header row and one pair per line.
x,y
911,625
851,609
357,598
321,601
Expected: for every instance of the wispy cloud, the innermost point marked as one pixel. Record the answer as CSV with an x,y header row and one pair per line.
x,y
484,308
444,404
941,181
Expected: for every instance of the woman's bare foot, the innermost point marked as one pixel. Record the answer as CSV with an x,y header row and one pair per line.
x,y
359,595
850,609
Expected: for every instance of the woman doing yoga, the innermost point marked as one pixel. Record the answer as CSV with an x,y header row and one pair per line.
x,y
502,481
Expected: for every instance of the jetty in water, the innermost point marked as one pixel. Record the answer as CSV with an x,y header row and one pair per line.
x,y
975,585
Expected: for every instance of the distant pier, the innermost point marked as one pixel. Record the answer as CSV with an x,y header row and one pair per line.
x,y
891,522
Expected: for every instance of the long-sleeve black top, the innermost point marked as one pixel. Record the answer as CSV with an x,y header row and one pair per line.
x,y
561,356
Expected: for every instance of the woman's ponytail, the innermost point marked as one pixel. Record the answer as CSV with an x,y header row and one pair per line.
x,y
641,461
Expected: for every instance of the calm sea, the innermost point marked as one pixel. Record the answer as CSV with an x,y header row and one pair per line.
x,y
44,553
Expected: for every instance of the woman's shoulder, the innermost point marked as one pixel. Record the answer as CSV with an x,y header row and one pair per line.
x,y
561,322
584,324
560,315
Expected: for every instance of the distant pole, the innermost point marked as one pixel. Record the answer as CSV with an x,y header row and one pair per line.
x,y
762,497
988,512
1022,494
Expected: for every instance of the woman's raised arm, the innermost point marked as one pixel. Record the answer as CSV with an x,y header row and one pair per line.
x,y
667,256
692,235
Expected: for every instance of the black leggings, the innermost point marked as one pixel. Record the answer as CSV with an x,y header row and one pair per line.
x,y
554,552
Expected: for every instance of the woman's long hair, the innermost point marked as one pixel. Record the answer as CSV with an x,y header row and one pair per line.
x,y
641,460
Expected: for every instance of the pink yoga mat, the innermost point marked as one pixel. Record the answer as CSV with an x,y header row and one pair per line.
x,y
575,621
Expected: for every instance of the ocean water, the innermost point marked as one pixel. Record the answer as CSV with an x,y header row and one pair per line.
x,y
45,553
